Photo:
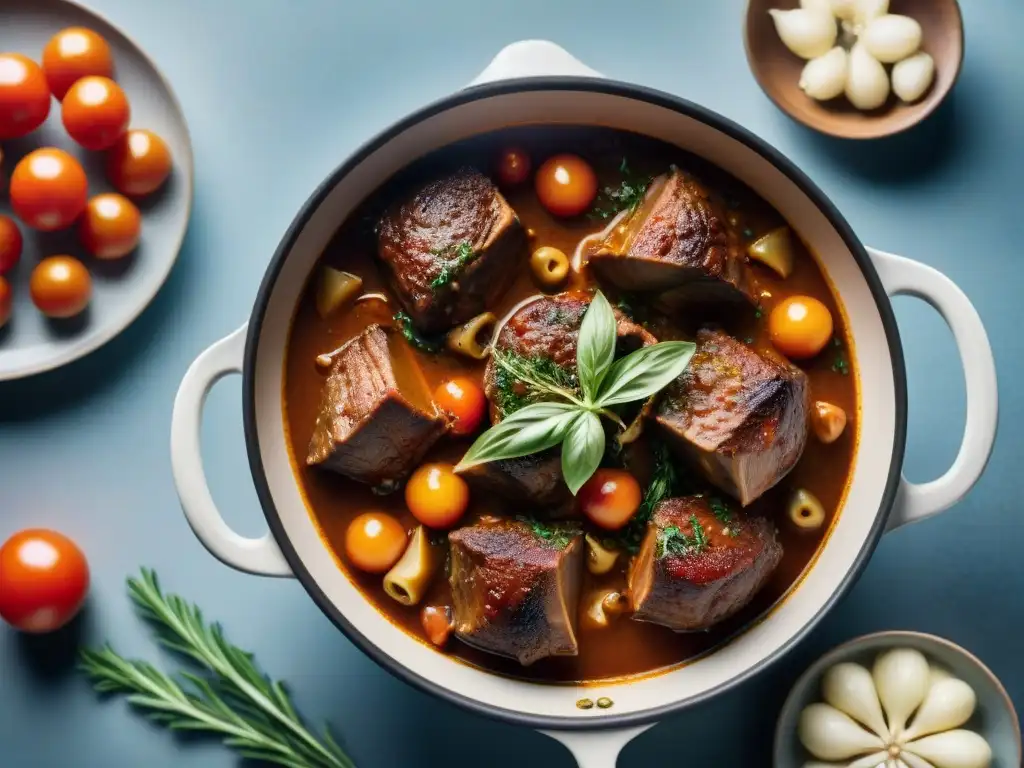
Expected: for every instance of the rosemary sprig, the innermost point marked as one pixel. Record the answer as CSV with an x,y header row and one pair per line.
x,y
233,698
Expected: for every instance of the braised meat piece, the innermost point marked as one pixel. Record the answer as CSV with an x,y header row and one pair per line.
x,y
451,250
740,416
516,590
676,241
376,418
700,563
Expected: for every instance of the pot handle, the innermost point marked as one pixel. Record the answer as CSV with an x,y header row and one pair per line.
x,y
533,58
260,556
596,749
916,501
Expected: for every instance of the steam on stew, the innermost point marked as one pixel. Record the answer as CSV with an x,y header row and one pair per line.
x,y
569,403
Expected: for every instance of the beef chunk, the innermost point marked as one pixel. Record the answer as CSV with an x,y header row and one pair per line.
x,y
739,415
543,333
696,568
451,250
677,241
516,592
376,417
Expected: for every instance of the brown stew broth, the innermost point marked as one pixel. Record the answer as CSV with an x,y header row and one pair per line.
x,y
625,647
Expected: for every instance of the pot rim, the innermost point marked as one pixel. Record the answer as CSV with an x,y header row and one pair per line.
x,y
687,109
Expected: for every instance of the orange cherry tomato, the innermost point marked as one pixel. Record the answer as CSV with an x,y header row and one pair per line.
x,y
43,580
513,167
138,163
60,286
6,300
95,112
610,498
10,243
800,327
464,401
436,496
566,185
24,96
72,54
110,226
374,541
48,189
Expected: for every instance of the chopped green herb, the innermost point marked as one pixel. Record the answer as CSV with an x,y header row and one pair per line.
x,y
458,256
411,335
556,535
627,196
758,311
840,365
721,511
673,542
664,483
748,233
519,380
748,340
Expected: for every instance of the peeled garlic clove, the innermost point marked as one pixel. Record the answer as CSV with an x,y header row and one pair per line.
x,y
953,749
938,673
817,5
891,38
850,689
901,679
948,704
867,84
807,32
824,78
844,10
913,761
830,735
913,76
866,10
876,760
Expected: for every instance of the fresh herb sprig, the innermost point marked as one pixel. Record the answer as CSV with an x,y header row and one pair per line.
x,y
665,483
572,419
556,535
457,257
673,542
408,330
627,196
513,373
233,699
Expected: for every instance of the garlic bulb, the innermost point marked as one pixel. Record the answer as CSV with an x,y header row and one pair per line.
x,y
850,689
901,677
807,32
824,78
953,749
912,77
867,84
831,735
891,38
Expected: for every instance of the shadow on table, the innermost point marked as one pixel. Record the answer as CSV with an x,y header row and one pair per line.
x,y
51,657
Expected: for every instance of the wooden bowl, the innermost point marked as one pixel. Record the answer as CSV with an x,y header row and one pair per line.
x,y
778,71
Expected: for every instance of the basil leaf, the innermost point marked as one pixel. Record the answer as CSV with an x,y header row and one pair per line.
x,y
595,348
529,430
640,374
582,449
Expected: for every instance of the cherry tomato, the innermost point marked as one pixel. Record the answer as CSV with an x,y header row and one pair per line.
x,y
138,163
110,226
72,54
374,541
95,112
60,286
566,185
48,189
43,580
610,498
462,399
24,96
513,167
800,327
6,300
436,496
10,243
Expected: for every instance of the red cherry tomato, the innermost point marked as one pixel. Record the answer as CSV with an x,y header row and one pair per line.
x,y
48,189
138,163
60,286
513,167
464,401
610,498
43,580
24,96
566,185
72,54
6,300
110,226
95,112
10,243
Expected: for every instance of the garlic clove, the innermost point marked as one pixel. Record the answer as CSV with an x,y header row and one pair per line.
x,y
850,689
948,704
828,734
913,76
824,78
807,32
866,10
877,760
817,5
901,678
953,749
844,10
913,761
891,38
867,84
938,673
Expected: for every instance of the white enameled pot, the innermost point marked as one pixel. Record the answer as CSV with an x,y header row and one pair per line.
x,y
537,82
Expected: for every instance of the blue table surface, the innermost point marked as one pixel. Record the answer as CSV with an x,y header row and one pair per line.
x,y
277,93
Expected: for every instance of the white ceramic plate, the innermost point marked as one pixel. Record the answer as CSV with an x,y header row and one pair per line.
x,y
30,343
